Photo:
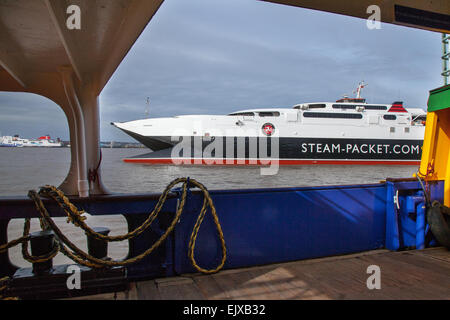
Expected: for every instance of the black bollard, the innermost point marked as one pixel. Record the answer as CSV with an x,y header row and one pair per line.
x,y
42,243
96,247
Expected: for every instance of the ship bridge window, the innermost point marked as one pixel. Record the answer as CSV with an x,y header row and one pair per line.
x,y
389,117
316,106
344,106
375,107
248,114
332,115
366,107
269,114
311,106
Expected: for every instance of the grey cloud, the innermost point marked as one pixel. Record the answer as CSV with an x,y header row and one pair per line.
x,y
219,56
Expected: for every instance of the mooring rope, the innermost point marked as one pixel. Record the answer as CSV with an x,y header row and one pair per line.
x,y
75,216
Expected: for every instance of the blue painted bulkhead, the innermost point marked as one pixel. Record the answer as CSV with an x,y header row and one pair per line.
x,y
260,226
269,226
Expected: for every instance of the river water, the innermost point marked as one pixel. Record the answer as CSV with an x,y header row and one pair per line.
x,y
22,169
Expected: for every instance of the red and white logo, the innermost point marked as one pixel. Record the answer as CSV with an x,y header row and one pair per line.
x,y
268,129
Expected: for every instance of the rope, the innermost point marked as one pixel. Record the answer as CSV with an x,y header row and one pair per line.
x,y
75,216
425,189
426,177
4,285
93,173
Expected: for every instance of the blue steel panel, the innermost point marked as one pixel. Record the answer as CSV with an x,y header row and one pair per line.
x,y
401,226
262,226
269,226
392,229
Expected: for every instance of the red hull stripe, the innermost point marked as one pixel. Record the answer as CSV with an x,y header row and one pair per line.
x,y
267,162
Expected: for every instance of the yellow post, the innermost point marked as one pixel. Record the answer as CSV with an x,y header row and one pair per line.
x,y
435,163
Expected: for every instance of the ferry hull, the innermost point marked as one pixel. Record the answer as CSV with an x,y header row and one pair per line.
x,y
284,151
153,143
246,162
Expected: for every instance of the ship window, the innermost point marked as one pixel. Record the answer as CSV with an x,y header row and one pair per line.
x,y
389,117
269,114
249,114
366,107
392,129
344,106
375,107
406,130
332,115
316,106
420,118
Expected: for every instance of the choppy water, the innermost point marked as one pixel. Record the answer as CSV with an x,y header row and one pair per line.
x,y
22,169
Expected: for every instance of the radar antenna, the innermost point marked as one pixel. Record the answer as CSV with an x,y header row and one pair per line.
x,y
358,90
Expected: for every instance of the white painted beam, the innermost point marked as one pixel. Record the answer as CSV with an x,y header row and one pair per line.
x,y
12,67
57,11
11,56
138,15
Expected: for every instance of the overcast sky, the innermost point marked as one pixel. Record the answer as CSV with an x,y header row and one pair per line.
x,y
219,56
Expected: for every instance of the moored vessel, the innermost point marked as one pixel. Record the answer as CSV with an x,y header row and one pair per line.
x,y
16,141
9,141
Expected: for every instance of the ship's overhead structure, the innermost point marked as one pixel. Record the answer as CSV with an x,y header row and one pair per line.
x,y
428,15
68,50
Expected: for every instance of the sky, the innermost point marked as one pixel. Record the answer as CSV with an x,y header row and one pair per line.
x,y
220,56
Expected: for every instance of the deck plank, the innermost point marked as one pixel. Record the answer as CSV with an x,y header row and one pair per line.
x,y
210,289
331,279
415,274
409,268
147,290
131,293
286,285
234,284
179,288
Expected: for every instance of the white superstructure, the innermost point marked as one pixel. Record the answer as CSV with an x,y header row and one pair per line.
x,y
16,141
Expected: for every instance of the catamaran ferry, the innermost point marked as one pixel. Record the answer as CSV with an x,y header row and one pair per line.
x,y
348,131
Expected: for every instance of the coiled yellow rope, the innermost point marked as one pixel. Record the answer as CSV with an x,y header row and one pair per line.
x,y
75,216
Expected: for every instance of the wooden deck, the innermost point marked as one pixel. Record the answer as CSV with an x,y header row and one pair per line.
x,y
414,274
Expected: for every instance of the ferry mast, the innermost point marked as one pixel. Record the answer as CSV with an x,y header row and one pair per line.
x,y
358,90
